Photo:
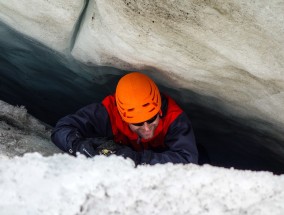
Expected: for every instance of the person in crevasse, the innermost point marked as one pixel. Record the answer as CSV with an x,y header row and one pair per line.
x,y
137,122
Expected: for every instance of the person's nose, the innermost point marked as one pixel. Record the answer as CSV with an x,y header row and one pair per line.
x,y
146,126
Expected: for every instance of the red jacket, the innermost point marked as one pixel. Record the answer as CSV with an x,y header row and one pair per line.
x,y
124,135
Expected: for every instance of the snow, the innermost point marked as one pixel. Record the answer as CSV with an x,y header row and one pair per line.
x,y
21,133
40,180
52,22
62,184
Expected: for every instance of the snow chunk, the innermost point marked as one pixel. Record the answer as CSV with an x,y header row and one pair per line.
x,y
63,184
21,133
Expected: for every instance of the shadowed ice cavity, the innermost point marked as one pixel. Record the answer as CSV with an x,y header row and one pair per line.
x,y
50,86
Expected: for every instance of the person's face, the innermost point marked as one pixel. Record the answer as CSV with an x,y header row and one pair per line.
x,y
146,129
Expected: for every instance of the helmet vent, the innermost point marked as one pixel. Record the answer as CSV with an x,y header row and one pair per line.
x,y
120,107
152,109
153,96
131,109
145,105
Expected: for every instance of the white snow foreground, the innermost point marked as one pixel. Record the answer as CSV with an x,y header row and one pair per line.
x,y
62,184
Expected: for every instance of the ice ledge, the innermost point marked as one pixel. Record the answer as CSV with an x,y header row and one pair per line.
x,y
62,184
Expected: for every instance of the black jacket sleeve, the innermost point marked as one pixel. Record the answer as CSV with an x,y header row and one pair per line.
x,y
180,142
90,121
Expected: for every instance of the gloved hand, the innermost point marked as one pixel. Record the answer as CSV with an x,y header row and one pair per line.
x,y
88,146
107,148
127,152
110,147
102,146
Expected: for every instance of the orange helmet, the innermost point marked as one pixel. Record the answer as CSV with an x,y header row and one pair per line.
x,y
137,97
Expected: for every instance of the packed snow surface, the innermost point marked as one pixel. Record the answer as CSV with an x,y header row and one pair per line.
x,y
35,178
62,184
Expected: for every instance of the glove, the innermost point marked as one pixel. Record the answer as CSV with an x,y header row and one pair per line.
x,y
110,147
102,146
107,148
88,146
127,152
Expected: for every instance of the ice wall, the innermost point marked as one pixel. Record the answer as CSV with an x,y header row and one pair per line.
x,y
222,60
